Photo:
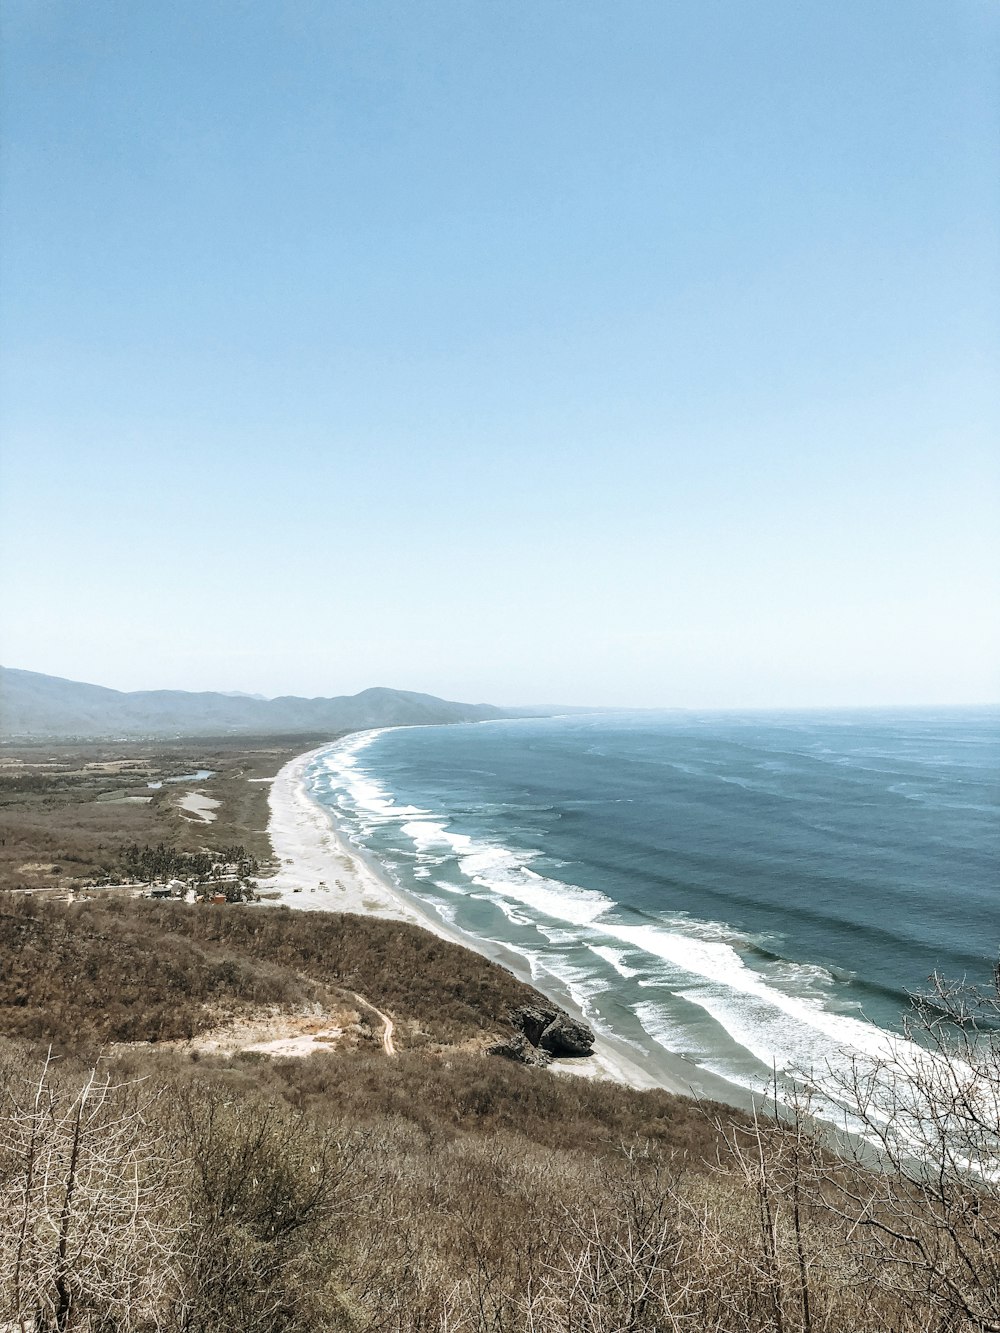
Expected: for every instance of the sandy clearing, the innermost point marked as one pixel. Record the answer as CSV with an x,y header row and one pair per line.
x,y
280,1034
198,804
271,1032
297,1046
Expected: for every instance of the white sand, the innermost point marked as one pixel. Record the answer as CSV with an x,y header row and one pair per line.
x,y
318,869
321,871
298,1046
275,1034
198,804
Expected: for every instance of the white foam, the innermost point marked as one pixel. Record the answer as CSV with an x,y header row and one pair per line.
x,y
445,912
445,887
806,975
615,957
735,985
497,869
893,1073
489,860
581,983
666,1031
534,963
426,834
510,912
508,875
557,934
561,902
365,795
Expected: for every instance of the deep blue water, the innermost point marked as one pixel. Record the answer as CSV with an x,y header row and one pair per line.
x,y
748,890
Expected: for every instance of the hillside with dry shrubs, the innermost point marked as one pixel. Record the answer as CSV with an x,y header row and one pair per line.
x,y
157,1187
126,970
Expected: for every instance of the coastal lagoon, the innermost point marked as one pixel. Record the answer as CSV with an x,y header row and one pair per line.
x,y
757,893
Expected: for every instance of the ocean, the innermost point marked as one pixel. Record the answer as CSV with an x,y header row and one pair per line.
x,y
758,893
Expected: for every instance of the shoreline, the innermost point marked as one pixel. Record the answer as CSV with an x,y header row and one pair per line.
x,y
319,869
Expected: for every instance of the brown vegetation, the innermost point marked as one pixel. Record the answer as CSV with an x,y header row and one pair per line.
x,y
443,1189
419,1194
126,970
58,827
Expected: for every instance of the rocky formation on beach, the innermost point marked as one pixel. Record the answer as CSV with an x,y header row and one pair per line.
x,y
518,1048
567,1036
544,1031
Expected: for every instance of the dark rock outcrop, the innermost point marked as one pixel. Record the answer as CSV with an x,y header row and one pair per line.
x,y
567,1036
518,1048
551,1029
533,1019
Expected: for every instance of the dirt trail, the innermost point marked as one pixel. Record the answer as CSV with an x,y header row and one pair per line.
x,y
387,1023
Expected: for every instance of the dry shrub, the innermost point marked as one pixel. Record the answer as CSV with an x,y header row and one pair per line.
x,y
266,1191
445,1190
82,976
308,1195
87,1205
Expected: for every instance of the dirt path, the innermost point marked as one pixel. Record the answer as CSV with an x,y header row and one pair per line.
x,y
387,1023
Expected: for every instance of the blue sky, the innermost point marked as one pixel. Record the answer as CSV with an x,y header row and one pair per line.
x,y
634,353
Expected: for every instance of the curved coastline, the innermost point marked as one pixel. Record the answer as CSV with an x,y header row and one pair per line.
x,y
321,870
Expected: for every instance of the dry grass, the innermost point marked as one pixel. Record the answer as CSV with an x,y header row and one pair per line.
x,y
417,1195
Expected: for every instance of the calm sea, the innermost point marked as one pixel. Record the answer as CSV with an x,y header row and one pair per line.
x,y
753,892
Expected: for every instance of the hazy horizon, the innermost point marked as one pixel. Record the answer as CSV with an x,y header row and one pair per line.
x,y
637,356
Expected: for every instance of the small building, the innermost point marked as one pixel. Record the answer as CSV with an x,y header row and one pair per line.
x,y
161,891
218,897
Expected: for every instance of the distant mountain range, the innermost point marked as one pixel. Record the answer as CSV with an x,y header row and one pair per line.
x,y
34,705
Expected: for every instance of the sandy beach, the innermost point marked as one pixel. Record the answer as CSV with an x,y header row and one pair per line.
x,y
320,870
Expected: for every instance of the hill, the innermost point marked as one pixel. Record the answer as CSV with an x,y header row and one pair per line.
x,y
33,705
378,1169
131,970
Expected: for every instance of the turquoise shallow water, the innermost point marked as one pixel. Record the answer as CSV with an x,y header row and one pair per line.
x,y
755,892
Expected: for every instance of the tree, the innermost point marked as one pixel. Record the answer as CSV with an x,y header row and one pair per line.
x,y
929,1217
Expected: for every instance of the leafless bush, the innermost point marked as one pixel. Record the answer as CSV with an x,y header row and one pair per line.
x,y
928,1219
617,1267
444,1192
85,1200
